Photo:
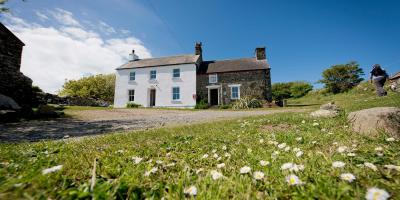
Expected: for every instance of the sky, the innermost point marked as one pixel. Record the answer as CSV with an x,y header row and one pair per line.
x,y
70,39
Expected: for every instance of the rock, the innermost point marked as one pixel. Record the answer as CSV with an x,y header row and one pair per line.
x,y
330,106
371,121
324,113
328,110
7,103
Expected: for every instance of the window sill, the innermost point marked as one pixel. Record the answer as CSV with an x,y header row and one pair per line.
x,y
176,101
176,79
132,82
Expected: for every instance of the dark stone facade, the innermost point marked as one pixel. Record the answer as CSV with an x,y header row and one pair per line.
x,y
13,83
256,83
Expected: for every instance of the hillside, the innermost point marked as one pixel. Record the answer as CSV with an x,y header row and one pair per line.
x,y
285,156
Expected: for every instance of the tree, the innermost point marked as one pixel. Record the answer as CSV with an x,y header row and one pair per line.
x,y
300,88
287,90
97,87
341,78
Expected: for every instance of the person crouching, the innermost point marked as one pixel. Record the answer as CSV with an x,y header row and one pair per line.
x,y
379,76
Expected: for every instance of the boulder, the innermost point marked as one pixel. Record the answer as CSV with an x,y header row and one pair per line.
x,y
324,113
328,110
7,103
373,120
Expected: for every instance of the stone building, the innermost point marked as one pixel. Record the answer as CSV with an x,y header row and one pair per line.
x,y
183,80
13,83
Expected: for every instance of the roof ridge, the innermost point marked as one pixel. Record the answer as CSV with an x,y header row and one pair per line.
x,y
168,56
230,59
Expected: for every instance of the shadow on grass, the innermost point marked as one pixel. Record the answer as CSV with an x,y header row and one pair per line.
x,y
53,129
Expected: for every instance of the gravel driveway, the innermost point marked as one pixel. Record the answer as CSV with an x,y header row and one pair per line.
x,y
93,122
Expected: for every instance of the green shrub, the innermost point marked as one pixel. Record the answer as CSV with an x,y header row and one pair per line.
x,y
247,102
226,106
300,88
202,104
295,89
133,105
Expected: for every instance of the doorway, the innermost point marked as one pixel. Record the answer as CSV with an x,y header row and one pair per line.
x,y
213,97
152,97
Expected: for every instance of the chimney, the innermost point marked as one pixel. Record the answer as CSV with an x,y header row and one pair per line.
x,y
198,49
260,53
133,56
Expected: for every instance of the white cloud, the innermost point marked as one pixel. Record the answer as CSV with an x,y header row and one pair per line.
x,y
41,16
107,29
53,54
65,17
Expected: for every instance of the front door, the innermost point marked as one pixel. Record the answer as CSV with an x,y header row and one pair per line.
x,y
152,97
213,97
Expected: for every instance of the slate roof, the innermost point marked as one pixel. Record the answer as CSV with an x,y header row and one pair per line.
x,y
7,34
233,65
162,61
395,76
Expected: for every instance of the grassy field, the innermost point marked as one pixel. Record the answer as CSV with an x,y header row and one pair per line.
x,y
186,161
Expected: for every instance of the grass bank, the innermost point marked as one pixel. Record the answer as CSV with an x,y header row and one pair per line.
x,y
164,162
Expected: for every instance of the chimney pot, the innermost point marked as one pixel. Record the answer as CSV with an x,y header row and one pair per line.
x,y
260,53
198,49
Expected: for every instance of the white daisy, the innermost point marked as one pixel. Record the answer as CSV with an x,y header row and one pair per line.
x,y
204,156
293,180
171,164
347,177
351,154
214,150
275,154
342,149
397,168
199,170
192,191
245,170
378,149
314,142
298,139
338,164
264,163
151,171
222,165
287,149
159,162
249,150
227,155
215,175
282,145
224,147
390,139
315,124
299,154
296,149
258,175
371,166
287,166
303,122
137,160
52,169
261,141
376,194
323,130
215,156
330,133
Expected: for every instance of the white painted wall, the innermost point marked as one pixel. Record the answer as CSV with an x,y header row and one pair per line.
x,y
163,85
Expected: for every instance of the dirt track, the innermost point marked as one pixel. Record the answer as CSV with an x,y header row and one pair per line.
x,y
93,122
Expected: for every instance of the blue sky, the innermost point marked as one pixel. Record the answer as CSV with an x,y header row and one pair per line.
x,y
302,37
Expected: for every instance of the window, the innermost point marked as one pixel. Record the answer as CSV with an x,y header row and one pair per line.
x,y
176,73
153,74
212,78
175,93
132,76
235,92
131,95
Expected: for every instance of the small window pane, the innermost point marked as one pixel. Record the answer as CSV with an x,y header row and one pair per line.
x,y
132,76
176,73
175,93
235,93
131,95
212,78
153,74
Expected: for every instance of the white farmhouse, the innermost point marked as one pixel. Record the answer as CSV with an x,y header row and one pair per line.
x,y
159,82
180,81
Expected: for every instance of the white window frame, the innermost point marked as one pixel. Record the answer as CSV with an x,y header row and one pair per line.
x,y
235,86
179,73
155,74
213,78
130,76
179,93
130,95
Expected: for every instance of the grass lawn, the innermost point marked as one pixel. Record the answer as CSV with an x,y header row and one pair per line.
x,y
164,162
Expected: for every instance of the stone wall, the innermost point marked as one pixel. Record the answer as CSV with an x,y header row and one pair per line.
x,y
256,83
13,83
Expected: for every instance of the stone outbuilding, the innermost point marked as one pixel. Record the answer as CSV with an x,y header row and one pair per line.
x,y
13,83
